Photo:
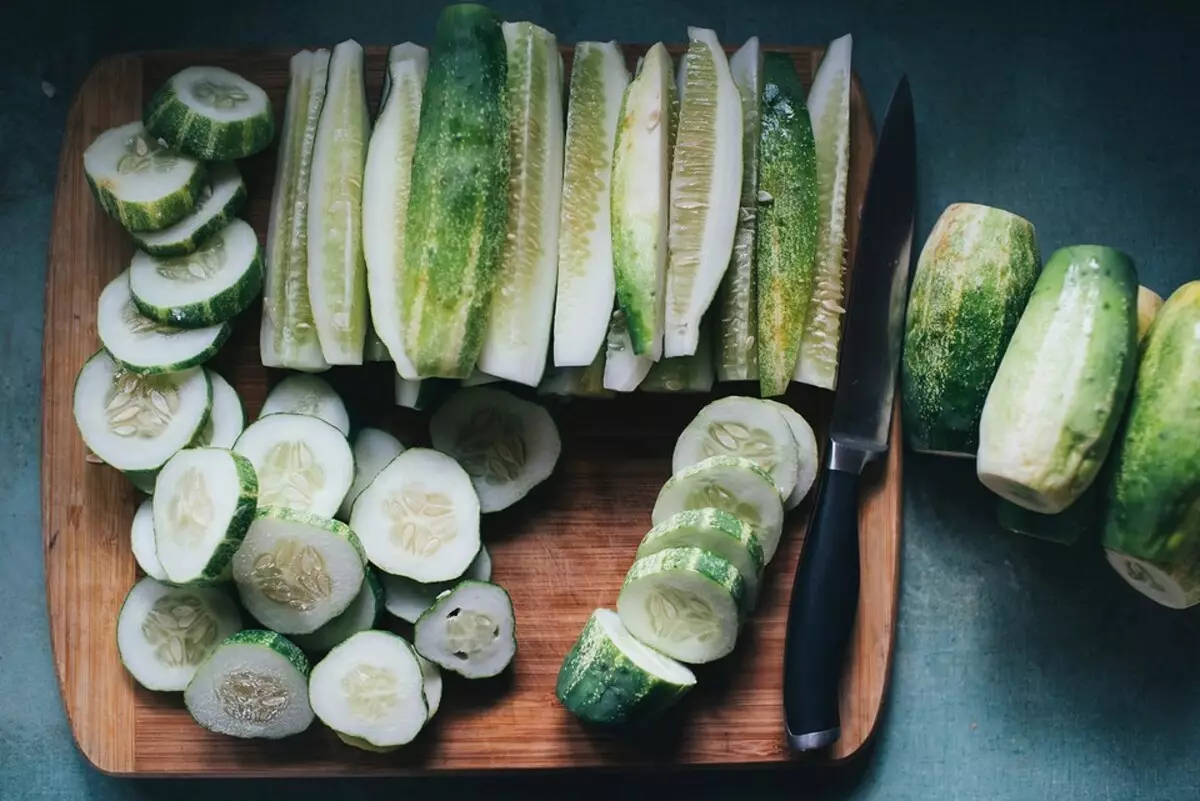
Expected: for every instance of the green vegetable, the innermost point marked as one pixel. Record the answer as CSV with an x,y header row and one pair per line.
x,y
211,114
219,202
714,531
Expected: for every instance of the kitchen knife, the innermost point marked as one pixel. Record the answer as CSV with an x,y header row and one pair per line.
x,y
825,592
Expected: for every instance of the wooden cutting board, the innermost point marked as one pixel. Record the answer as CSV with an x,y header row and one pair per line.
x,y
561,552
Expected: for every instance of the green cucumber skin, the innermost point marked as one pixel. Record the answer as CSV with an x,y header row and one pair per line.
x,y
156,214
458,203
337,527
786,241
972,281
202,234
281,645
220,308
734,527
217,569
170,119
174,367
695,560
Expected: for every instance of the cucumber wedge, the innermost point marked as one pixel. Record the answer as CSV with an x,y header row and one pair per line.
x,y
211,114
714,531
220,201
362,614
228,418
624,370
303,463
141,540
407,599
470,630
311,395
806,452
373,449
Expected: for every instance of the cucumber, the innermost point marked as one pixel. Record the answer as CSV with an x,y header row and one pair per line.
x,y
517,332
362,614
829,112
164,633
311,395
806,450
433,685
386,187
684,373
211,114
147,346
407,599
717,532
1152,525
288,336
206,288
1060,391
141,538
139,181
624,370
609,678
337,270
640,202
296,571
420,394
585,254
1148,304
786,243
227,420
508,445
972,281
303,463
684,602
254,686
458,209
470,630
219,203
373,449
420,517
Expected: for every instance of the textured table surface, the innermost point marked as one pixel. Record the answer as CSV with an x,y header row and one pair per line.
x,y
1023,670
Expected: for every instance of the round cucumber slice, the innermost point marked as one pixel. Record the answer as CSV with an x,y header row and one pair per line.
x,y
407,599
308,394
373,449
212,114
470,630
741,426
228,418
716,532
303,462
221,199
806,450
141,537
361,615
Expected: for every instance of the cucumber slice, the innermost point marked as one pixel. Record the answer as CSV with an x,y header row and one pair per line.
x,y
228,418
508,445
361,615
624,370
337,270
609,678
288,337
433,685
706,174
254,686
373,449
517,334
684,373
371,687
147,346
684,602
141,182
311,395
164,633
407,599
714,531
204,500
470,630
211,286
806,450
141,538
303,463
297,571
420,394
220,201
585,256
420,517
211,114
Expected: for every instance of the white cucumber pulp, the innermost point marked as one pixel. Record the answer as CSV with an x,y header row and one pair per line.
x,y
361,615
212,114
373,449
141,539
303,462
311,395
407,599
586,286
624,370
470,630
228,418
433,684
714,531
508,445
806,450
219,202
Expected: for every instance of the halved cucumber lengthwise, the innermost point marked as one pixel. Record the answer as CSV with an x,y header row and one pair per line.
x,y
470,630
717,532
227,420
303,462
220,201
211,114
407,599
311,395
361,615
373,449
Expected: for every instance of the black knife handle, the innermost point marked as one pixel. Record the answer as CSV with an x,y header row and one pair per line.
x,y
821,616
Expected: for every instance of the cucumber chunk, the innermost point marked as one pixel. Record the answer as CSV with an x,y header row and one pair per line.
x,y
373,449
211,114
806,450
141,539
228,418
164,633
407,599
361,615
303,463
714,531
311,395
220,201
470,630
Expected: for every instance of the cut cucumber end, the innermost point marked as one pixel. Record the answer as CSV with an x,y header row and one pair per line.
x,y
470,630
1152,581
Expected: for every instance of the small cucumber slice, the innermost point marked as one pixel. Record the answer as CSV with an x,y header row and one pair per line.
x,y
373,449
806,450
164,633
407,599
228,418
714,531
221,200
141,538
361,615
470,630
311,395
624,370
508,445
211,114
303,463
254,686
684,373
433,685
297,571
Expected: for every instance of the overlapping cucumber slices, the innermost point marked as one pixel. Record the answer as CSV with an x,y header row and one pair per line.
x,y
211,113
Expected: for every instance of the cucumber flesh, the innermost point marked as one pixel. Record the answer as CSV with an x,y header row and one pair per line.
x,y
311,395
141,537
373,449
806,450
407,599
470,630
303,462
219,202
228,418
212,114
624,370
714,531
433,685
361,615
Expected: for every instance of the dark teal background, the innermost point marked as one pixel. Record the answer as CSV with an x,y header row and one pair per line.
x,y
1023,670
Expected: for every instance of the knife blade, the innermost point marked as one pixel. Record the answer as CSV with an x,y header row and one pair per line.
x,y
824,598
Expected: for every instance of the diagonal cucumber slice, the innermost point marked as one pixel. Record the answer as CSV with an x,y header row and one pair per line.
x,y
218,204
212,114
714,531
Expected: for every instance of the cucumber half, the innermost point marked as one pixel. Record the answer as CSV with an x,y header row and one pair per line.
x,y
361,615
212,114
806,451
308,394
141,539
228,418
470,630
714,531
220,201
303,462
407,599
373,449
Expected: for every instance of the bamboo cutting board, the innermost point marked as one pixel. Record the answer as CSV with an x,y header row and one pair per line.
x,y
561,552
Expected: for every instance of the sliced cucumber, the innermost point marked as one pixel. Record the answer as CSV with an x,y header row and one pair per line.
x,y
141,182
806,450
221,200
508,445
407,599
212,114
420,394
164,633
141,538
433,685
420,517
255,685
373,449
470,630
303,463
684,373
228,418
311,395
717,532
361,615
624,370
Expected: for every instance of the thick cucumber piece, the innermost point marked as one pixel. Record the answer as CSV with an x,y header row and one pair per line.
x,y
458,204
508,445
829,112
1148,304
717,532
220,201
624,370
337,270
407,599
254,686
517,334
1152,527
228,418
1060,391
311,395
470,630
609,678
972,281
640,202
585,254
288,336
148,346
373,449
206,288
684,373
362,614
141,182
420,517
211,114
786,243
164,633
806,452
303,463
141,540
684,602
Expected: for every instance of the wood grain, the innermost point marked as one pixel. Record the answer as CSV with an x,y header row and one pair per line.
x,y
561,553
